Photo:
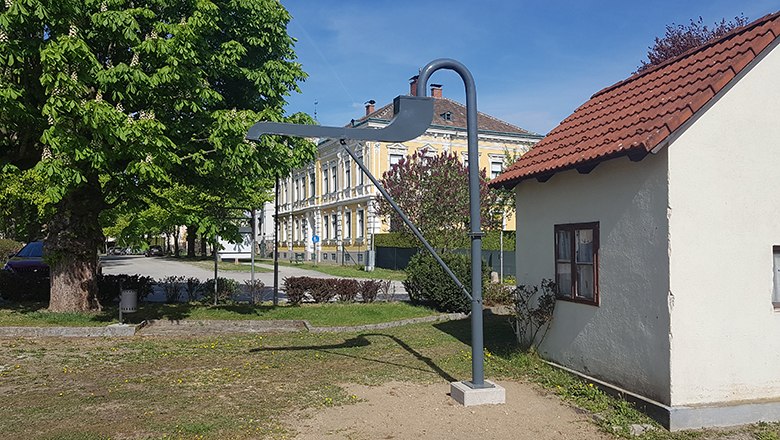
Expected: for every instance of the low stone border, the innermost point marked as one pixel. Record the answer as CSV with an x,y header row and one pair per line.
x,y
204,326
384,325
112,330
162,327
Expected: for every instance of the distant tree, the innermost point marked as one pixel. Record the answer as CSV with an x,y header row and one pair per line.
x,y
434,193
679,38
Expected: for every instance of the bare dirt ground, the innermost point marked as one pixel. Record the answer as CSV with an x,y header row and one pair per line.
x,y
399,410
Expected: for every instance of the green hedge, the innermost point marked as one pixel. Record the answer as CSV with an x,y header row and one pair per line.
x,y
490,242
427,284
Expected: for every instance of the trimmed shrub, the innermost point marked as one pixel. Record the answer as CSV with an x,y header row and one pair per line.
x,y
226,289
172,286
17,287
322,290
109,287
369,289
428,284
193,287
347,289
255,290
386,290
295,289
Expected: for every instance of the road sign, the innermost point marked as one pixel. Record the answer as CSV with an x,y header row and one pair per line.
x,y
315,238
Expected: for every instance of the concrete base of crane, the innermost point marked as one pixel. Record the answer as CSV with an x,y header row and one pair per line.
x,y
464,394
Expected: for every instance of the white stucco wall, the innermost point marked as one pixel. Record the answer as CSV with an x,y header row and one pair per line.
x,y
724,219
625,340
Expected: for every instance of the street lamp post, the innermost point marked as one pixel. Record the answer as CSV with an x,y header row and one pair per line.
x,y
412,117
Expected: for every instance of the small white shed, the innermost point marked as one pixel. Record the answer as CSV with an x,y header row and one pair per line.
x,y
656,208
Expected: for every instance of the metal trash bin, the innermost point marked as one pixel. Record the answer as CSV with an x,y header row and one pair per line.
x,y
128,303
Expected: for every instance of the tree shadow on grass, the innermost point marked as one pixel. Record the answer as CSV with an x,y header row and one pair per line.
x,y
40,309
499,338
362,341
169,312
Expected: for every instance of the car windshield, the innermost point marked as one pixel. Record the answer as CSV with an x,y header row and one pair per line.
x,y
32,250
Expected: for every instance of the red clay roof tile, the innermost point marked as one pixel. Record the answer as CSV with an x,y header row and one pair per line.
x,y
637,114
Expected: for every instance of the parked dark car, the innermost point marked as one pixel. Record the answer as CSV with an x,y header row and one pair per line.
x,y
154,251
29,261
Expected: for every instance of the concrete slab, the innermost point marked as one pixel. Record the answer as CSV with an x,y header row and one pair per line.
x,y
467,396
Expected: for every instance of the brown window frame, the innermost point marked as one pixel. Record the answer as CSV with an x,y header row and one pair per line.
x,y
571,228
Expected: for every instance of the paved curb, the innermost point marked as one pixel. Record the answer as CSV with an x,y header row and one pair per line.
x,y
113,330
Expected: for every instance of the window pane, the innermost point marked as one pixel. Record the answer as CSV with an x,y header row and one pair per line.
x,y
585,281
563,245
584,243
563,278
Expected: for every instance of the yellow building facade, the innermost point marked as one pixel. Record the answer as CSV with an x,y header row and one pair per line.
x,y
327,210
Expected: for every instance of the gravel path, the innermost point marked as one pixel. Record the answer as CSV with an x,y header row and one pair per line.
x,y
398,410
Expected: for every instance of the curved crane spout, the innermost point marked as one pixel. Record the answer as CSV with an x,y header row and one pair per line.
x,y
412,115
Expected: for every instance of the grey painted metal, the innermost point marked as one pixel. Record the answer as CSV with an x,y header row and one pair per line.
x,y
412,116
276,243
477,335
406,219
252,255
216,271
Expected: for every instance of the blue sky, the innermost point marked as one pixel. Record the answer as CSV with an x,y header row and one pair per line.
x,y
534,62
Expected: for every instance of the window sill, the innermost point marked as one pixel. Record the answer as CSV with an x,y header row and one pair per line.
x,y
586,302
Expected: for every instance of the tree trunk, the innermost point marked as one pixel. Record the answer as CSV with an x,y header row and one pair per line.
x,y
191,229
203,250
71,245
176,241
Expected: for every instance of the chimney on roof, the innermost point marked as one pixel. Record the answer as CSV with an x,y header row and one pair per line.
x,y
370,107
413,85
436,90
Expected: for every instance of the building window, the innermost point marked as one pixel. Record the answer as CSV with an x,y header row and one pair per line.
x,y
360,174
325,182
324,255
347,174
312,184
325,229
333,257
496,166
776,267
297,190
576,262
297,237
334,223
360,223
335,183
360,257
395,158
347,233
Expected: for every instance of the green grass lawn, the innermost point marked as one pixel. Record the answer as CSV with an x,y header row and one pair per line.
x,y
345,271
332,314
252,386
